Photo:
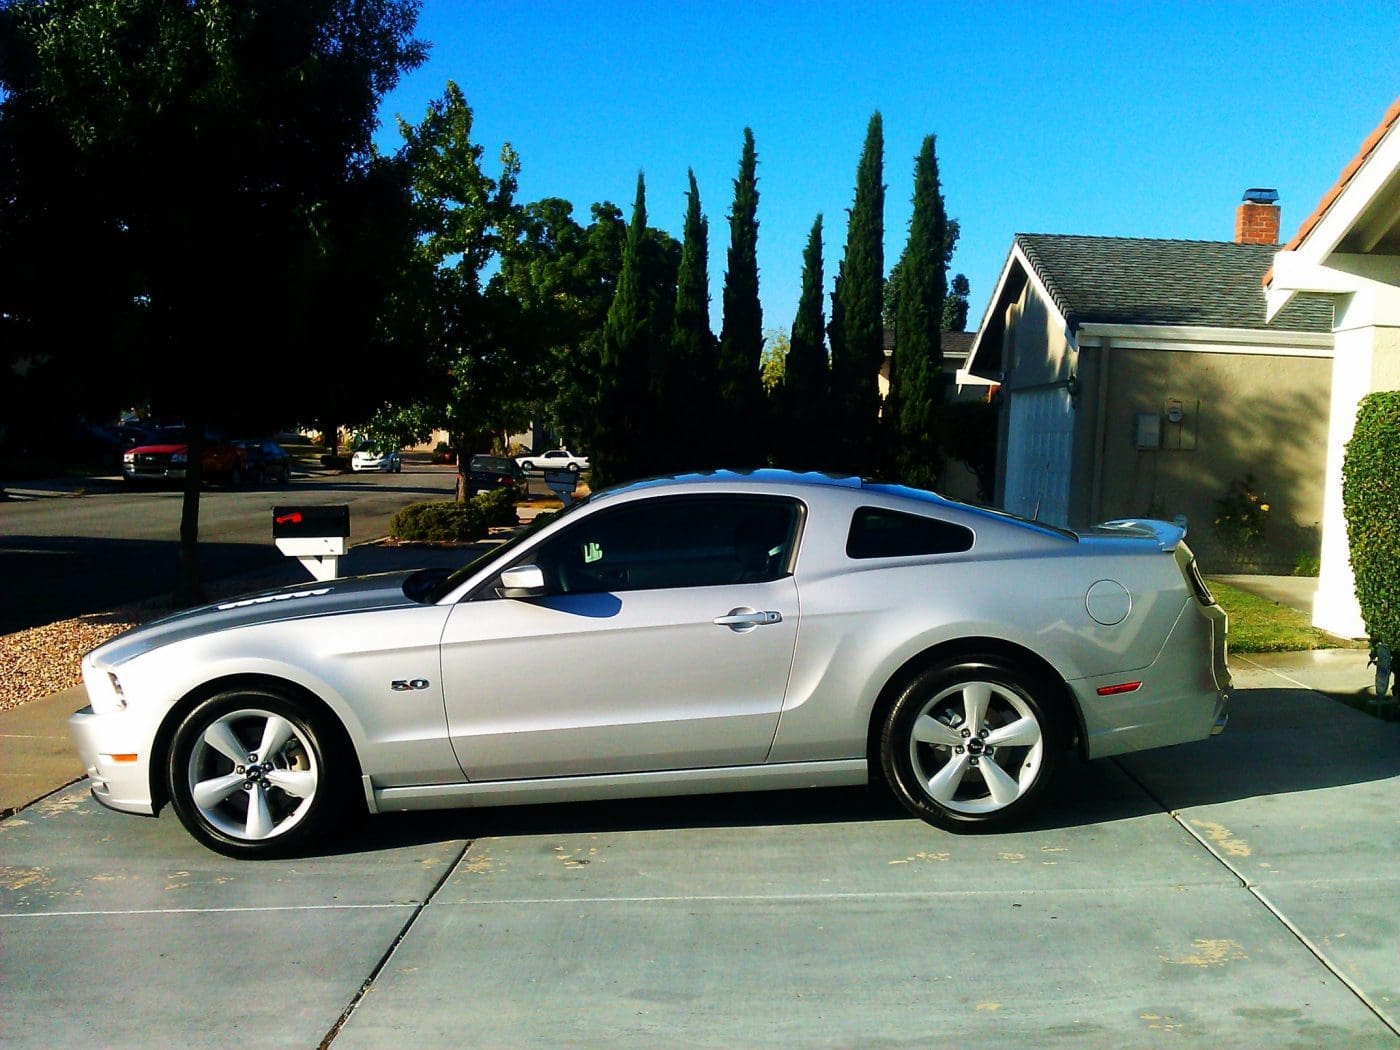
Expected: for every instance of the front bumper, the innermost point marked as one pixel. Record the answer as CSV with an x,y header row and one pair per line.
x,y
117,784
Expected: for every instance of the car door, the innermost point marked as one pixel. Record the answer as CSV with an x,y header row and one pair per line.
x,y
664,640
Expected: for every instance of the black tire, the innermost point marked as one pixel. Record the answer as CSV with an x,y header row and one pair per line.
x,y
527,465
573,468
958,770
285,476
235,477
302,786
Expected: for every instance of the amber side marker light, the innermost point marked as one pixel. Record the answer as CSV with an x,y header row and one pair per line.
x,y
123,758
1114,690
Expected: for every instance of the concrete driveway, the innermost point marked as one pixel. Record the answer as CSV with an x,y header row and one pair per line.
x,y
1243,891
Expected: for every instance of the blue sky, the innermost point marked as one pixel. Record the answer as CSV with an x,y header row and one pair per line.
x,y
1122,119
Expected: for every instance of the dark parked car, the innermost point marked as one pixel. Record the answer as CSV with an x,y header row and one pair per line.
x,y
494,472
265,462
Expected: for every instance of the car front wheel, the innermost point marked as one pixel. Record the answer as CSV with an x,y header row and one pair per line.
x,y
969,743
527,465
252,774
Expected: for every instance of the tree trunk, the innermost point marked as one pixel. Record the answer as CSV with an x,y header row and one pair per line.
x,y
330,439
188,591
464,459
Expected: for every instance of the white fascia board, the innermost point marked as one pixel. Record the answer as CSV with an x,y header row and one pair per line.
x,y
992,304
1016,257
1317,247
965,378
1201,339
1358,195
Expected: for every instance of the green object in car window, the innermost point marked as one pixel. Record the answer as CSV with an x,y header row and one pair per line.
x,y
592,552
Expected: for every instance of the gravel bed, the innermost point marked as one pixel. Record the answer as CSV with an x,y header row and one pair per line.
x,y
44,660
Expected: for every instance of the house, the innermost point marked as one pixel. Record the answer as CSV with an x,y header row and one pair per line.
x,y
1141,377
1348,250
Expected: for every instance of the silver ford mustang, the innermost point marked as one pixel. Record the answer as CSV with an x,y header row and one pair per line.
x,y
717,632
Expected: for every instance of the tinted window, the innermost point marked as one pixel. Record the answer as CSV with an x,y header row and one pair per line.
x,y
877,533
499,464
704,542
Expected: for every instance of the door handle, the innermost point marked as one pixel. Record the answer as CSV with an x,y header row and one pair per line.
x,y
744,619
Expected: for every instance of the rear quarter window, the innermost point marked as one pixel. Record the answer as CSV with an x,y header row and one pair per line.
x,y
880,533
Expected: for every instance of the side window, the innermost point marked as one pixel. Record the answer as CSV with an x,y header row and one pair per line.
x,y
703,542
878,533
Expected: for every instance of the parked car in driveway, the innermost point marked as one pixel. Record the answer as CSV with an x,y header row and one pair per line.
x,y
165,458
486,472
554,459
368,457
716,632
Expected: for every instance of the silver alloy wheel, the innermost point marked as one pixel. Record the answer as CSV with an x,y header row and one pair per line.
x,y
976,747
251,775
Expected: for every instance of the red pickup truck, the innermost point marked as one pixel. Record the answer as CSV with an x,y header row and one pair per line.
x,y
166,455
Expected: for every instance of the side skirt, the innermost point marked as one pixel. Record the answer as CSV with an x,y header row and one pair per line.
x,y
618,785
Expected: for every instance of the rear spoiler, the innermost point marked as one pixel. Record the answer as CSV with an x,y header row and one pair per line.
x,y
1168,534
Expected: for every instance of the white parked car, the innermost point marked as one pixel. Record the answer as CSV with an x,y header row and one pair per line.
x,y
389,462
554,459
716,632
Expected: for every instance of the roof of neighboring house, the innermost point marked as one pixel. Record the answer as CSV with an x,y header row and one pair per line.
x,y
1139,280
953,344
1392,116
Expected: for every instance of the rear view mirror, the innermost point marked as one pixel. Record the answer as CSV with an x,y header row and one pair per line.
x,y
523,581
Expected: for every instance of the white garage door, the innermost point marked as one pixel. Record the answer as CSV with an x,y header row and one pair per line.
x,y
1039,443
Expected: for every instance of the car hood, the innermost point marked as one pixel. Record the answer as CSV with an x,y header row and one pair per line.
x,y
160,449
332,598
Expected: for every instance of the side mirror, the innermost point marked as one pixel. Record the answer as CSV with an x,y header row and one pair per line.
x,y
523,581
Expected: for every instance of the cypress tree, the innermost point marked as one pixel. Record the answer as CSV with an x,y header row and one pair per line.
x,y
806,388
742,423
692,396
625,366
916,379
856,358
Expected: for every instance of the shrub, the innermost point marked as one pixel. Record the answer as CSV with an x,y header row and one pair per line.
x,y
444,521
497,506
1307,565
1241,516
1371,503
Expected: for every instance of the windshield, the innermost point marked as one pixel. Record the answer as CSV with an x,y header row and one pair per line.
x,y
467,571
499,463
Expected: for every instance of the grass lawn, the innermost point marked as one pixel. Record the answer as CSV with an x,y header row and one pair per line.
x,y
1260,625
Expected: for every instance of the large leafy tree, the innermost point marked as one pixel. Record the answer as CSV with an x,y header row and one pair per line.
x,y
479,374
691,396
916,369
741,427
805,393
856,357
198,137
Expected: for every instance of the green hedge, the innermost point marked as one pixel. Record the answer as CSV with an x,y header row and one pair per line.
x,y
447,521
1371,501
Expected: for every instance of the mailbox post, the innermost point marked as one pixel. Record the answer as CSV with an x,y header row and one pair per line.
x,y
314,535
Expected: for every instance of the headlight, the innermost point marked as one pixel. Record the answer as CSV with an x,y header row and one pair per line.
x,y
179,457
128,457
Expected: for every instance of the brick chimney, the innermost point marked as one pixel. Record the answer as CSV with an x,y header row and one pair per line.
x,y
1256,219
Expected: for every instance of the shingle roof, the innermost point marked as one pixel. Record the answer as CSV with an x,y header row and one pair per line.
x,y
1137,280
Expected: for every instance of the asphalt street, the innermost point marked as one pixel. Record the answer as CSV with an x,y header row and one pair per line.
x,y
89,545
1241,891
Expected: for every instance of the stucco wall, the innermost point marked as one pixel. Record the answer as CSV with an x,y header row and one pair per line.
x,y
1244,414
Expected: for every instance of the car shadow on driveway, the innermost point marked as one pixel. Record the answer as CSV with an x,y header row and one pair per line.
x,y
1280,741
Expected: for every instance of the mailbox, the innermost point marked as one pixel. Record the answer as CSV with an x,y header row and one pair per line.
x,y
315,535
561,482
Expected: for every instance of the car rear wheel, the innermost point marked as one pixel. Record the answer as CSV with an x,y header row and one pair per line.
x,y
527,465
254,774
970,743
573,468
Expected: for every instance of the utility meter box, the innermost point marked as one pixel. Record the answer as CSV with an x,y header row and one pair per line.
x,y
315,535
